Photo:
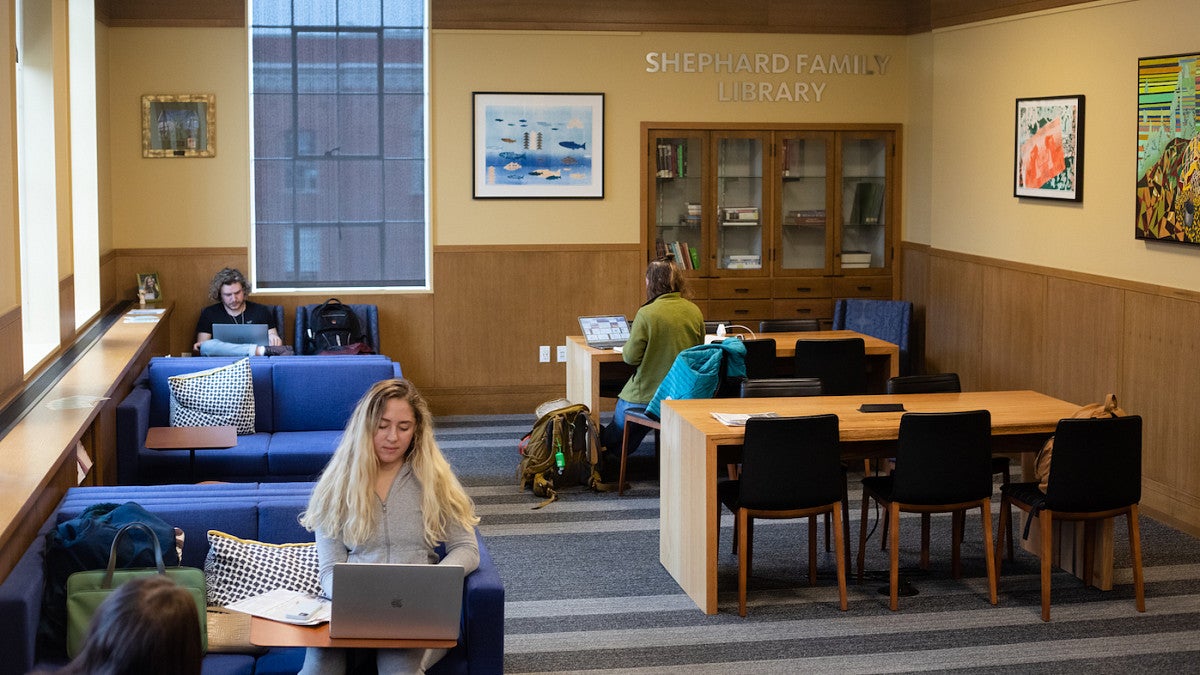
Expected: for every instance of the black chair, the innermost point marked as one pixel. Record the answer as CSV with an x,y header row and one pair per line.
x,y
932,384
841,364
788,325
368,319
943,465
782,386
760,358
1095,473
791,468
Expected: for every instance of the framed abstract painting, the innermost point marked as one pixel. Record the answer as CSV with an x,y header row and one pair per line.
x,y
1049,148
542,146
1168,149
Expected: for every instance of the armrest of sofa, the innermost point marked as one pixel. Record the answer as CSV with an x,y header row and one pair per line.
x,y
133,422
483,615
21,610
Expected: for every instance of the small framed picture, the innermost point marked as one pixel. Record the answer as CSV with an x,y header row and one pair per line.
x,y
1049,148
147,286
183,125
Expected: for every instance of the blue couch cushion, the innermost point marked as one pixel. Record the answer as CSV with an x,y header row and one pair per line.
x,y
301,453
318,394
247,458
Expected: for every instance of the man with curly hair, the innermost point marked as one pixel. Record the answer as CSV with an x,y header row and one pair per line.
x,y
228,289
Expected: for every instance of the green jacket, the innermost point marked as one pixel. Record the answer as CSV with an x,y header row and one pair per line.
x,y
661,329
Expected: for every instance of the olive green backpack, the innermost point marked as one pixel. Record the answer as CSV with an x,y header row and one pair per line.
x,y
560,451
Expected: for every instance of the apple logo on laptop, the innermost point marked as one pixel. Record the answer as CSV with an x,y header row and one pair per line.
x,y
397,603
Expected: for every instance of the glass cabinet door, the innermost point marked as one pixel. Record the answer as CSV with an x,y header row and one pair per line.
x,y
865,163
804,209
739,190
678,195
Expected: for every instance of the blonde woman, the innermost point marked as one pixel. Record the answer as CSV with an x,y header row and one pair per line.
x,y
388,495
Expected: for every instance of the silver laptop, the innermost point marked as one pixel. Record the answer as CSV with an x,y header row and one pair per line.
x,y
398,602
241,333
604,332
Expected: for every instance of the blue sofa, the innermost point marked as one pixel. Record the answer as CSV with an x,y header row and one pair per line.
x,y
264,512
301,405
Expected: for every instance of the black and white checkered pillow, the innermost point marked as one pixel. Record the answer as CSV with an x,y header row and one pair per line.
x,y
215,397
236,568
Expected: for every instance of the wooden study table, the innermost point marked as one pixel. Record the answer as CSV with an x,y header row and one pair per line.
x,y
1021,420
584,364
268,633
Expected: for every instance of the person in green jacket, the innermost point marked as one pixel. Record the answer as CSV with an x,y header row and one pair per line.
x,y
667,324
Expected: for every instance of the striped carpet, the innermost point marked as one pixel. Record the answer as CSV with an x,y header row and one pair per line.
x,y
585,591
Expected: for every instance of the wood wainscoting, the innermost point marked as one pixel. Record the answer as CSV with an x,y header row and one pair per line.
x,y
1004,325
12,371
471,345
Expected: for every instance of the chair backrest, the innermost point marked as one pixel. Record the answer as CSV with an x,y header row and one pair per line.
x,y
944,458
840,364
710,327
277,312
760,358
788,325
791,463
368,318
924,384
889,320
782,386
1096,465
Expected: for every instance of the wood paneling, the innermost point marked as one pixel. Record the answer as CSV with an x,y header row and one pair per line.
x,y
955,12
1076,337
66,311
12,374
171,13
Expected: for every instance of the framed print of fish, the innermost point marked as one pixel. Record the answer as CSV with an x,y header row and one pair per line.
x,y
538,146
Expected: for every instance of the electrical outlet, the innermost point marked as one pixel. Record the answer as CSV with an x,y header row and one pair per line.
x,y
544,354
562,354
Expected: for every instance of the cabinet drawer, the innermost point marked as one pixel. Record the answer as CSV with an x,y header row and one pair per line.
x,y
739,311
862,287
697,288
812,287
739,288
804,309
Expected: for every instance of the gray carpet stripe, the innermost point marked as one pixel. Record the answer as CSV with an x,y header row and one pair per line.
x,y
568,507
940,659
571,527
597,606
841,625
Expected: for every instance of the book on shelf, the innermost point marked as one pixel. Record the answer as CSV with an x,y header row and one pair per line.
x,y
740,223
740,212
743,262
695,259
672,159
867,208
806,217
855,257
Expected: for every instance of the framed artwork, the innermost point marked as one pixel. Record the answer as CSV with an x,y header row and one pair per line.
x,y
179,126
1049,148
1168,150
147,286
543,146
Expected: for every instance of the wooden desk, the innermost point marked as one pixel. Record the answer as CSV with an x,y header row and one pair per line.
x,y
690,438
584,364
267,633
191,439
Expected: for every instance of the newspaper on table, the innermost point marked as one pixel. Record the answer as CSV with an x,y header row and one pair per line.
x,y
284,605
739,419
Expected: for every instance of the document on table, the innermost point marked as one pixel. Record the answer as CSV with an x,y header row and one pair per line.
x,y
739,419
287,606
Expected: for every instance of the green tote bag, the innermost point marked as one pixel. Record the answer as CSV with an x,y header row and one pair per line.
x,y
86,590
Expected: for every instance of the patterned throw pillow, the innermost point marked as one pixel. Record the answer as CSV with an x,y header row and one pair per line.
x,y
213,398
236,568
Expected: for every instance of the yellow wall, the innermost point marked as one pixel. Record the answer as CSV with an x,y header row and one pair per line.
x,y
179,202
980,70
614,63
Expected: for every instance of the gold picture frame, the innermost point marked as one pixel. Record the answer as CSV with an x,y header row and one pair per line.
x,y
148,287
182,125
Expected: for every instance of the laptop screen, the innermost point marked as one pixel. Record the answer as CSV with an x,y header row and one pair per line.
x,y
604,331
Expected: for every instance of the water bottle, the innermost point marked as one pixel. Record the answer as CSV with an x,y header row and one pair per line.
x,y
720,331
560,460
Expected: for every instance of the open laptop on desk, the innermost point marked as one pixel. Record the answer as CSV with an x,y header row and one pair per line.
x,y
241,333
604,332
382,601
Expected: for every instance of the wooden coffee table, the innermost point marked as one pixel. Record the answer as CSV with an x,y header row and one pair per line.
x,y
191,439
268,633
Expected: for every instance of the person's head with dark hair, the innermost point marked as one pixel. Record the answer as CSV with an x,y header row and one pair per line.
x,y
148,625
227,277
663,276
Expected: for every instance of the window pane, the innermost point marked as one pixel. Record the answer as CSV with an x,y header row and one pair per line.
x,y
404,190
404,244
358,13
272,12
403,127
404,13
359,191
316,12
272,61
358,62
403,61
273,128
272,186
316,62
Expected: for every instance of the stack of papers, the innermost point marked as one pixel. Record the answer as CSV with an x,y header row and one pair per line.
x,y
287,606
739,419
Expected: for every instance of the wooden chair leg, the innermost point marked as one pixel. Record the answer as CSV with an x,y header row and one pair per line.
x,y
812,550
985,507
1135,555
843,559
731,470
894,578
1044,519
743,561
624,456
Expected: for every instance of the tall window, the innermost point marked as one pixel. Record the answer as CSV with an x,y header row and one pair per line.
x,y
339,143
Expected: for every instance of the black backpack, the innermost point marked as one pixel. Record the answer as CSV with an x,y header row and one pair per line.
x,y
83,543
333,327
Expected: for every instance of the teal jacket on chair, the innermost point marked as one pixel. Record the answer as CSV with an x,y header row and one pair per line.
x,y
696,372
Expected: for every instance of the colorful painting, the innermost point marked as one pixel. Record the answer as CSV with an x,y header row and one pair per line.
x,y
1168,153
1049,148
539,145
